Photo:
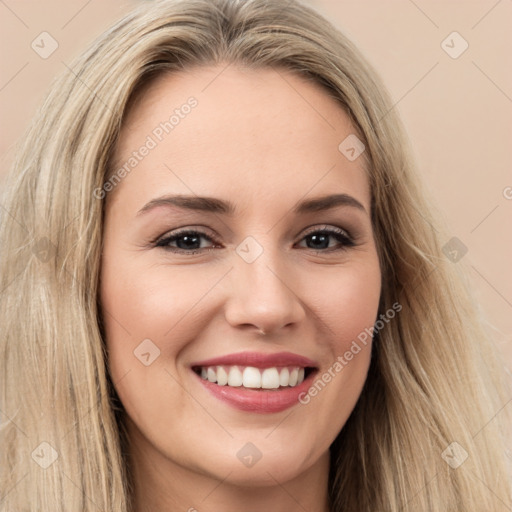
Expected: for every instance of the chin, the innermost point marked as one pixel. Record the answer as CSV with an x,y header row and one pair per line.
x,y
245,465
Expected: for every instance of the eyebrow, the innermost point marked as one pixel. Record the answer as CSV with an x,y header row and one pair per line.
x,y
214,205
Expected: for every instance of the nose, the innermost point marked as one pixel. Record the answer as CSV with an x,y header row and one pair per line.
x,y
261,295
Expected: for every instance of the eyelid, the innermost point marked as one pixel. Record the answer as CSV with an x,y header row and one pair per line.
x,y
199,230
347,240
202,231
327,227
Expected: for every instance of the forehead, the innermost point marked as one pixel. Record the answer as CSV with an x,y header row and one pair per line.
x,y
268,133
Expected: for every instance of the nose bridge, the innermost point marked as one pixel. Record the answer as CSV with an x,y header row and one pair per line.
x,y
262,288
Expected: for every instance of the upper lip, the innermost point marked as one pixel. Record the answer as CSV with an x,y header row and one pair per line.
x,y
258,360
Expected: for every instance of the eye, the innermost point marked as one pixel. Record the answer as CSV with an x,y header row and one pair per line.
x,y
185,241
193,241
320,239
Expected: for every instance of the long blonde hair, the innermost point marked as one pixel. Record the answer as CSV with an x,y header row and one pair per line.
x,y
431,381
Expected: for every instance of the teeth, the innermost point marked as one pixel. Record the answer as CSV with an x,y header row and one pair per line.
x,y
212,375
235,377
253,378
222,376
270,378
284,377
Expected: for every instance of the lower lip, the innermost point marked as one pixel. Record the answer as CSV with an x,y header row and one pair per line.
x,y
259,401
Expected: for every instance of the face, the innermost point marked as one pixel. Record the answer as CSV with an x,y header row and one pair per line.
x,y
238,260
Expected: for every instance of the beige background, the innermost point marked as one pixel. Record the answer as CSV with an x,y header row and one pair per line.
x,y
457,111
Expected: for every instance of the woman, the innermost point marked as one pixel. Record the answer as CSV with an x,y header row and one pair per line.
x,y
223,289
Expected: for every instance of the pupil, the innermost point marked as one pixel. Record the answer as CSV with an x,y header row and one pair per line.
x,y
188,242
319,241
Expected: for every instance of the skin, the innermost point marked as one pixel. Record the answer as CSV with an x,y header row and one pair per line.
x,y
263,140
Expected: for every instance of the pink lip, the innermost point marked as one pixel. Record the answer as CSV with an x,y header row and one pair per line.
x,y
258,401
259,360
262,401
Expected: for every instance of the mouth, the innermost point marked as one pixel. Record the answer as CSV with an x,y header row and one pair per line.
x,y
250,377
253,382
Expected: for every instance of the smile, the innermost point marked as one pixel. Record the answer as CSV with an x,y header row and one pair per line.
x,y
253,378
256,382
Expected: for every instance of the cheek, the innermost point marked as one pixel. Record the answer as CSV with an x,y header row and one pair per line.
x,y
147,317
346,305
148,300
347,302
149,309
347,309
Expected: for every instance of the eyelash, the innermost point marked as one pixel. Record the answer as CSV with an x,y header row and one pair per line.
x,y
341,235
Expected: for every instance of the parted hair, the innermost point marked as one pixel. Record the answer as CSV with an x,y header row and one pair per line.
x,y
432,380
